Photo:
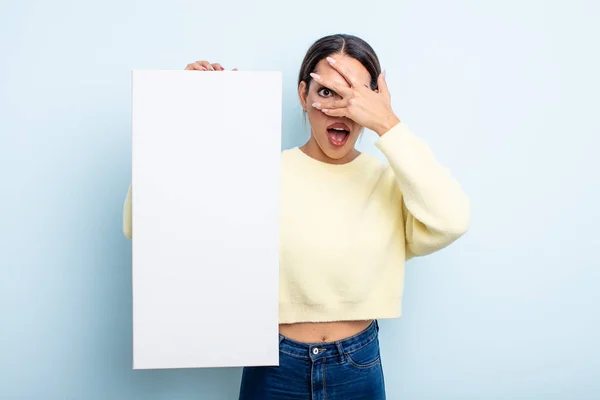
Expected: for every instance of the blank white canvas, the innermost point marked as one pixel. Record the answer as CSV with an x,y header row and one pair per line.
x,y
205,177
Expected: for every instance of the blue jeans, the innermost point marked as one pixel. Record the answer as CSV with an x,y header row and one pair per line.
x,y
349,369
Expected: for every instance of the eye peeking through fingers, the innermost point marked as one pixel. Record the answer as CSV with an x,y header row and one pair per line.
x,y
326,92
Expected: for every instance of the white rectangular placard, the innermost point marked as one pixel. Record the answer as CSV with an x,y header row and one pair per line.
x,y
205,178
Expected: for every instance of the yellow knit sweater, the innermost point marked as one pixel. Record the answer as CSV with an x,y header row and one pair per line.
x,y
347,230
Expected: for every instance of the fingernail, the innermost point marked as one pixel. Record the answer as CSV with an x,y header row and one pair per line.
x,y
315,76
316,105
331,60
325,110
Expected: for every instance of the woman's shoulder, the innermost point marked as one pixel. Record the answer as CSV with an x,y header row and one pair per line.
x,y
289,153
373,161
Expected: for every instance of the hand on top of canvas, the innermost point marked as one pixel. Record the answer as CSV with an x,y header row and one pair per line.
x,y
205,66
369,108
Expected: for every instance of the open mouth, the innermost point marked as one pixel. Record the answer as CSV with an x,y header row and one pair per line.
x,y
338,134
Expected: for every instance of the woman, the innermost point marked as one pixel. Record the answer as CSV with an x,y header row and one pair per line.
x,y
348,224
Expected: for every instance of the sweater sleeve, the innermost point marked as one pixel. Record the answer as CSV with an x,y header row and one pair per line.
x,y
127,228
436,211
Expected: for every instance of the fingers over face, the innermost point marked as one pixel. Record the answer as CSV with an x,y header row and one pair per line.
x,y
331,104
336,112
329,83
341,66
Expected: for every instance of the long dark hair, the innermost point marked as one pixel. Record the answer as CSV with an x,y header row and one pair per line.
x,y
349,45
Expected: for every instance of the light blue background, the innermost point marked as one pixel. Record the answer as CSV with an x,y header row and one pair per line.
x,y
506,93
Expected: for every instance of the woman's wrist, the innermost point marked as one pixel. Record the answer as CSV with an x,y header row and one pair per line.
x,y
386,124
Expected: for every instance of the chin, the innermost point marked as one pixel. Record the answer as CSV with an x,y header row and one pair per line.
x,y
336,151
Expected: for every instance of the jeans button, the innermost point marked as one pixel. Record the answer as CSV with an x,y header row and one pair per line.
x,y
315,351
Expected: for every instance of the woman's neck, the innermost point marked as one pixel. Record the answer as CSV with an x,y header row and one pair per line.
x,y
313,150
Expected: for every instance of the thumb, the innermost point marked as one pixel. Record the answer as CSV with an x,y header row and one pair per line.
x,y
382,84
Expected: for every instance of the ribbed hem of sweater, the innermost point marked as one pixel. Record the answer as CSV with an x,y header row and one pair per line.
x,y
375,309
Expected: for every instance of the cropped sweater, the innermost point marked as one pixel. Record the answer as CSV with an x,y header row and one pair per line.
x,y
346,230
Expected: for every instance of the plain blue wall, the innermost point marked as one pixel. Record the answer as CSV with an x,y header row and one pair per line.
x,y
506,93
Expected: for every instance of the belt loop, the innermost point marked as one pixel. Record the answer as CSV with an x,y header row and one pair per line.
x,y
340,350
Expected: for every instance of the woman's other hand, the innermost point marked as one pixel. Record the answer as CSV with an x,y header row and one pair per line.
x,y
205,66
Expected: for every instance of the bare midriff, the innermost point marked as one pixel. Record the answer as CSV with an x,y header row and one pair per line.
x,y
321,332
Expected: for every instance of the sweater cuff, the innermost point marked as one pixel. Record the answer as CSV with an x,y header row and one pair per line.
x,y
394,137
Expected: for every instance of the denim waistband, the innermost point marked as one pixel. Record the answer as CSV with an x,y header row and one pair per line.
x,y
329,349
